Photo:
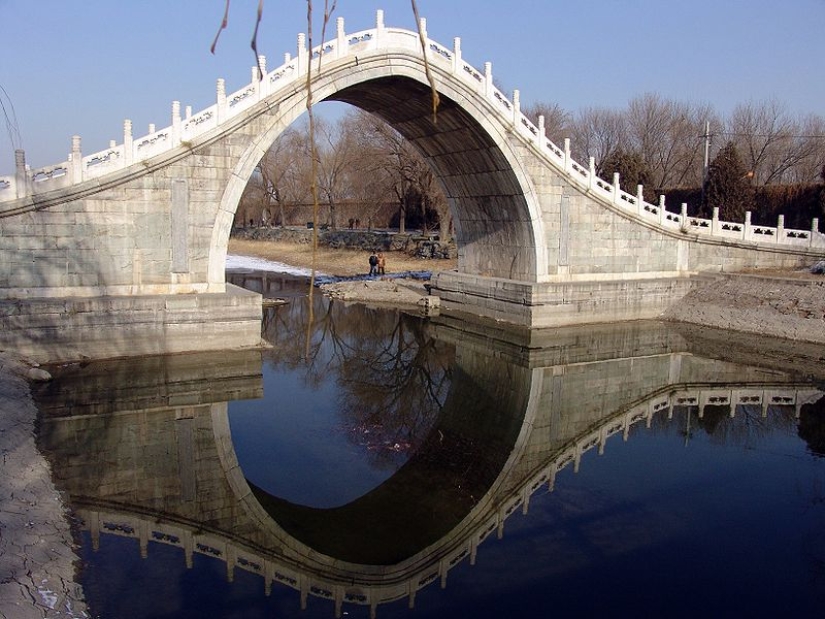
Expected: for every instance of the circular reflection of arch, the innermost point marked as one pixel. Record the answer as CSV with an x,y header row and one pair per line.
x,y
430,506
498,219
301,568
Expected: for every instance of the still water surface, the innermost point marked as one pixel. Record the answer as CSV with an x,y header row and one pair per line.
x,y
377,461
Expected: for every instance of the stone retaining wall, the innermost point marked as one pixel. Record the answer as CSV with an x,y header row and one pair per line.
x,y
413,243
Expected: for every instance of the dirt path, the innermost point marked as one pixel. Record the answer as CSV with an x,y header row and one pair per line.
x,y
342,262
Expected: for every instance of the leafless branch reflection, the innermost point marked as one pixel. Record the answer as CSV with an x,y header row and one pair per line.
x,y
392,376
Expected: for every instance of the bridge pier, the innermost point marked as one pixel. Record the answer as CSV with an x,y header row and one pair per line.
x,y
552,304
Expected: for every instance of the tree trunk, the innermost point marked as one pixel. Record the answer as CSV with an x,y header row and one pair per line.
x,y
332,224
402,215
444,223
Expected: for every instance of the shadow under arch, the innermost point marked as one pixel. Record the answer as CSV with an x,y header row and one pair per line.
x,y
499,229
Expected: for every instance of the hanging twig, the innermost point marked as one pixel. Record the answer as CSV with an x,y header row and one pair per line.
x,y
427,72
224,23
253,43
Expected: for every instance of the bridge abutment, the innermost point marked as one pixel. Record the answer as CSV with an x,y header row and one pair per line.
x,y
71,328
552,304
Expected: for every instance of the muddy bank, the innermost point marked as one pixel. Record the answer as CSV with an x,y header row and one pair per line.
x,y
791,307
37,558
399,293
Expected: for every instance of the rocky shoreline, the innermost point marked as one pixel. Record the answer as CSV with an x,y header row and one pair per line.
x,y
37,557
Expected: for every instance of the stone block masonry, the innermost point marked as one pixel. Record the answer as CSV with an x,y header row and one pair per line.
x,y
72,328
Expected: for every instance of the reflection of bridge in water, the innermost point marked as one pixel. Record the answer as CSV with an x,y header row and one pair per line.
x,y
161,469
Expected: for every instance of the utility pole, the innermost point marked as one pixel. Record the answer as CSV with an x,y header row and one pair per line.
x,y
707,152
706,161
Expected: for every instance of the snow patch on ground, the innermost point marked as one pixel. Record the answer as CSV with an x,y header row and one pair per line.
x,y
244,263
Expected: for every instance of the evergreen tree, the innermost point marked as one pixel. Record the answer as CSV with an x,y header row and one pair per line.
x,y
632,169
728,186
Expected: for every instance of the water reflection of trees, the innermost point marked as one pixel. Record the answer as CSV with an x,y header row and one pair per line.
x,y
748,426
392,376
812,427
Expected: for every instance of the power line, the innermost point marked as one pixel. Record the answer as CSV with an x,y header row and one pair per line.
x,y
10,117
763,135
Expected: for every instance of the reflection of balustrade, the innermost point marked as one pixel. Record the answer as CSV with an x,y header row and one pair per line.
x,y
227,106
192,539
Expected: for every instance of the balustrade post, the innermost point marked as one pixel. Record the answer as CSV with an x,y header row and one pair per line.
x,y
714,222
302,54
220,99
128,142
541,136
176,129
516,107
616,188
77,160
683,214
592,164
640,199
341,46
456,55
488,78
567,159
814,230
188,113
379,25
661,208
151,128
747,233
780,229
21,178
259,77
422,27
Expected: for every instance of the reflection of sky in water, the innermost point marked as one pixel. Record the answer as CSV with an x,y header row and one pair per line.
x,y
293,444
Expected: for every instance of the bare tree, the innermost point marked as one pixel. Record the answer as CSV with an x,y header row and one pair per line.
x,y
279,170
667,135
764,133
557,121
405,174
598,132
810,169
335,160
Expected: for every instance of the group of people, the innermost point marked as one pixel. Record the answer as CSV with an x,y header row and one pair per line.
x,y
377,264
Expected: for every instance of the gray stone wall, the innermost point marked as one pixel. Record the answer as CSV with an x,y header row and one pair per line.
x,y
413,243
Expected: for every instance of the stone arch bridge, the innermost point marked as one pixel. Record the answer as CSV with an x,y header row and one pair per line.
x,y
126,246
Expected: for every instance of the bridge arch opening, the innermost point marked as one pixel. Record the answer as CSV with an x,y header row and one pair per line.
x,y
495,213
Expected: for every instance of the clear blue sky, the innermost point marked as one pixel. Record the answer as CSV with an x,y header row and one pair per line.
x,y
82,67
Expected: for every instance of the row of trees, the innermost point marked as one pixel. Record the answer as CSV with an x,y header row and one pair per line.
x,y
665,140
365,169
